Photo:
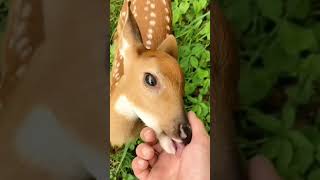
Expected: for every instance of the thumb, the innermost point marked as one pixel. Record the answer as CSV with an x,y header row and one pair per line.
x,y
261,168
198,129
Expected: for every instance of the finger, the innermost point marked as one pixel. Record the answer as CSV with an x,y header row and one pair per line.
x,y
145,151
148,135
198,129
153,161
140,168
157,148
262,169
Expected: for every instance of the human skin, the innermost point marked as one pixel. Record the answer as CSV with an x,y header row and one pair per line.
x,y
191,161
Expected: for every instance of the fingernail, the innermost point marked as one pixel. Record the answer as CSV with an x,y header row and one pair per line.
x,y
192,113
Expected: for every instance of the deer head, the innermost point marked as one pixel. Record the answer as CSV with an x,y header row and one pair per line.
x,y
152,85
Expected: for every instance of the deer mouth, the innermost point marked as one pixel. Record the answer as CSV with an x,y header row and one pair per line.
x,y
170,144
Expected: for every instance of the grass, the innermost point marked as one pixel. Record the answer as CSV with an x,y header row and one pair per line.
x,y
191,23
280,82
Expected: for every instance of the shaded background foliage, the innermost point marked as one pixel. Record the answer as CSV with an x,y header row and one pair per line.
x,y
279,111
191,26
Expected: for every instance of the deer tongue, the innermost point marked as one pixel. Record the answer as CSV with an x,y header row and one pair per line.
x,y
167,144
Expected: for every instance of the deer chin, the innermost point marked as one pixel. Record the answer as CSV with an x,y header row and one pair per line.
x,y
170,145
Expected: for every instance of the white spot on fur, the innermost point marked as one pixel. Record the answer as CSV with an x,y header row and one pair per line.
x,y
26,52
116,84
124,107
21,44
123,14
150,30
168,27
125,46
146,8
167,10
168,19
148,2
148,47
42,140
149,36
152,6
135,15
164,2
167,144
148,42
118,64
152,14
134,9
26,11
146,17
152,23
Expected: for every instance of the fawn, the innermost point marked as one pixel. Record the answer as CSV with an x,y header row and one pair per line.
x,y
147,83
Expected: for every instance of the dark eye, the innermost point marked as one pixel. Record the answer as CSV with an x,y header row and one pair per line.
x,y
150,79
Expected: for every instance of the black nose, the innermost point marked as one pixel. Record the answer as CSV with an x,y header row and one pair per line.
x,y
185,133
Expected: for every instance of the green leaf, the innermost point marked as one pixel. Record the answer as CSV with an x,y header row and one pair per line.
x,y
271,8
316,30
302,159
183,7
295,39
312,134
271,148
288,116
299,140
317,156
263,121
199,5
298,8
206,30
254,85
314,175
309,68
301,93
240,13
284,156
277,61
194,62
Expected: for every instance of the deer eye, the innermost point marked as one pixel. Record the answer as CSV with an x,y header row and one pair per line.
x,y
150,80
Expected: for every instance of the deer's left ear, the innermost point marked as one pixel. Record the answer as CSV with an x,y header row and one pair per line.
x,y
169,45
132,40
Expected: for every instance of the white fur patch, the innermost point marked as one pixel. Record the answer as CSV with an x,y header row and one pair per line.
x,y
124,47
148,120
124,107
44,142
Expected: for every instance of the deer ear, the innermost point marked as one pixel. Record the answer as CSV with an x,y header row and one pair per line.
x,y
131,37
169,45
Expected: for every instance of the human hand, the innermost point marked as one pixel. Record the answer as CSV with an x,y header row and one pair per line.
x,y
189,162
262,169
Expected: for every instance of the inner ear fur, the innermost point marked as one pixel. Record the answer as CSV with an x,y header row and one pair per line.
x,y
169,46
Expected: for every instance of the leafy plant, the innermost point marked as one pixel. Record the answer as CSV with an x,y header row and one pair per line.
x,y
279,82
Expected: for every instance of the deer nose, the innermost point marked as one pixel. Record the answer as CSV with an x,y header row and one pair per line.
x,y
185,133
